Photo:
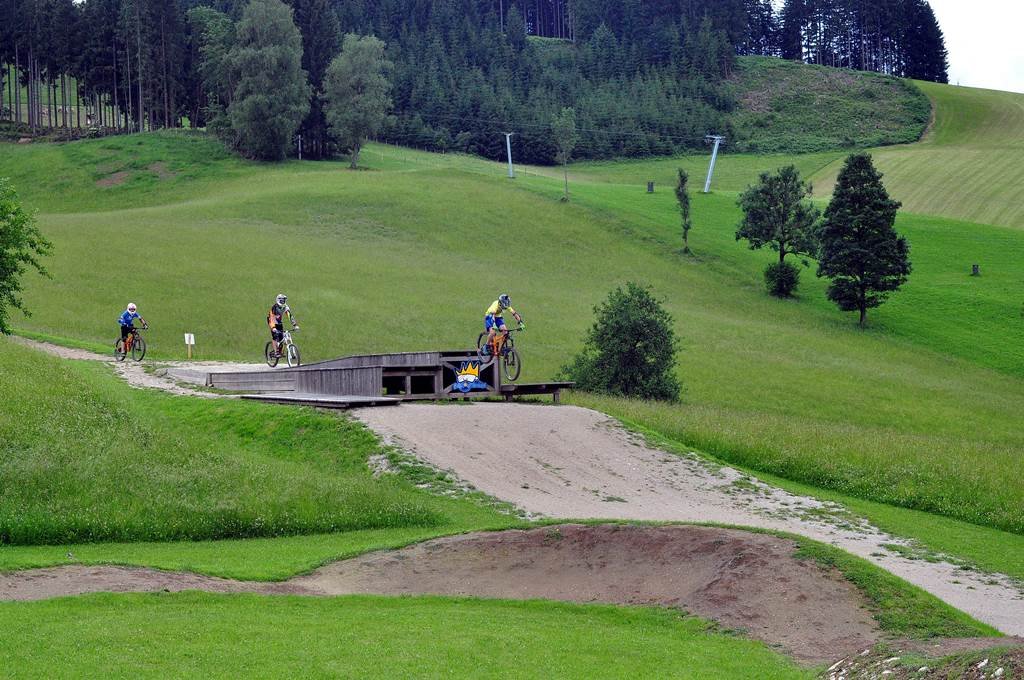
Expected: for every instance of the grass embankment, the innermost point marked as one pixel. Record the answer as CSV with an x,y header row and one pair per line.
x,y
969,167
231,636
83,458
795,108
786,387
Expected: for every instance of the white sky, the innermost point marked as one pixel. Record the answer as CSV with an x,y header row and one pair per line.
x,y
984,42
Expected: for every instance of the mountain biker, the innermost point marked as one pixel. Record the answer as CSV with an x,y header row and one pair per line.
x,y
494,320
275,319
127,320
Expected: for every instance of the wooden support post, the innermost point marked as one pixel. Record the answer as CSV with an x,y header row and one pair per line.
x,y
557,396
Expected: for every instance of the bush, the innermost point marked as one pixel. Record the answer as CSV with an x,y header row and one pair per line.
x,y
782,278
630,350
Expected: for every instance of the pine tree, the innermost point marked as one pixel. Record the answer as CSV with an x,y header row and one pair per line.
x,y
860,250
321,41
271,96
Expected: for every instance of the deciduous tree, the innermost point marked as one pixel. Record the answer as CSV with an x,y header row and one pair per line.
x,y
563,129
271,95
21,247
357,91
777,214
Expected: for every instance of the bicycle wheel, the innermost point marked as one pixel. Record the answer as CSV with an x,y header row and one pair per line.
x,y
293,356
483,349
138,348
481,340
512,365
119,352
271,356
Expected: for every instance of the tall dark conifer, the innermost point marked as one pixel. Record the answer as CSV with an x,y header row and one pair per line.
x,y
861,252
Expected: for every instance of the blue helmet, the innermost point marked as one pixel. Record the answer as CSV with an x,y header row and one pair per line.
x,y
504,300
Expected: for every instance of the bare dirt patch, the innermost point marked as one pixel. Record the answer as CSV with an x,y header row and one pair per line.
x,y
744,581
161,170
116,179
573,462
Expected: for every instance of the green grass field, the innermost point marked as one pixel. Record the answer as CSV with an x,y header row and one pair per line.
x,y
913,423
968,167
791,388
83,459
196,635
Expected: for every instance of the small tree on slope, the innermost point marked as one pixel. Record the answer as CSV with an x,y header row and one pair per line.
x,y
563,129
21,246
630,350
777,214
683,197
271,96
860,250
357,90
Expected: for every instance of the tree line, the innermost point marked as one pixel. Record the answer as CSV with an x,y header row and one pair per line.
x,y
644,78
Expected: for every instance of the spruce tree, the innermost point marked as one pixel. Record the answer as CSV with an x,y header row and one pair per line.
x,y
321,41
860,250
271,96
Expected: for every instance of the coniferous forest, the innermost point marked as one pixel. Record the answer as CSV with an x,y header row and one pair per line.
x,y
644,77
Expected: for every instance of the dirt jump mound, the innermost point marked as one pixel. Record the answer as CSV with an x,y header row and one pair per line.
x,y
744,581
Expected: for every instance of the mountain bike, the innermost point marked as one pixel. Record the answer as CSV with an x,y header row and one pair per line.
x,y
286,347
504,346
133,344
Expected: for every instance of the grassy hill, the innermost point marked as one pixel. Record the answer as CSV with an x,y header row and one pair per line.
x,y
407,255
83,459
786,106
969,165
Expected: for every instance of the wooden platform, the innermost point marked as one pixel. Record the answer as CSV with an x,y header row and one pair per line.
x,y
323,400
513,390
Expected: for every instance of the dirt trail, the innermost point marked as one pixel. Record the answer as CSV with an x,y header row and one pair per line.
x,y
742,580
576,463
136,375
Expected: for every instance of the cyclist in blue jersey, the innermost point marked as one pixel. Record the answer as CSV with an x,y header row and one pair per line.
x,y
127,320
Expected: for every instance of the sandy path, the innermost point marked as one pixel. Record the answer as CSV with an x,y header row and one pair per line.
x,y
576,463
136,375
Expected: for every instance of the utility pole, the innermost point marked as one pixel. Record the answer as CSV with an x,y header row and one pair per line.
x,y
717,139
508,147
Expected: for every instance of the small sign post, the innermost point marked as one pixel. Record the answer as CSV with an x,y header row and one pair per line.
x,y
190,341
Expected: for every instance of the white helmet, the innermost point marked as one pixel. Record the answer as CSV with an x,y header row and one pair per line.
x,y
132,307
281,298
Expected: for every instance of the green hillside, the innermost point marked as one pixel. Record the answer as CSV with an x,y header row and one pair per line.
x,y
83,459
407,256
785,106
970,166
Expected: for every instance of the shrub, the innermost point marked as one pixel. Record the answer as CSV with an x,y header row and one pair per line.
x,y
782,278
630,350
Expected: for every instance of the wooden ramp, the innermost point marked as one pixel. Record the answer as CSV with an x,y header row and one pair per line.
x,y
376,379
323,400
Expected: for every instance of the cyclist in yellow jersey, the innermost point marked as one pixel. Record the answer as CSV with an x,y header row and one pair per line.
x,y
494,320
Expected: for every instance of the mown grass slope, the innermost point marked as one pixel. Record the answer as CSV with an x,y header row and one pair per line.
x,y
197,635
83,458
407,256
970,166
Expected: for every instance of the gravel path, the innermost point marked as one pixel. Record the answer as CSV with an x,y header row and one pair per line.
x,y
576,463
136,375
